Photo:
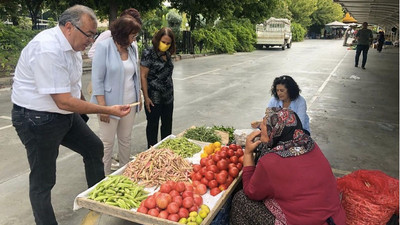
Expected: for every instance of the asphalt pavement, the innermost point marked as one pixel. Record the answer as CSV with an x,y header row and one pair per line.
x,y
354,116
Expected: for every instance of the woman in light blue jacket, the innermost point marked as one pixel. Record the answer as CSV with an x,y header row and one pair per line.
x,y
115,80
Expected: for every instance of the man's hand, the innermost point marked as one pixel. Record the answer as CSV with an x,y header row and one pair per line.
x,y
120,110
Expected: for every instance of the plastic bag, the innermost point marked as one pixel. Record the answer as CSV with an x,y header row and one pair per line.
x,y
369,197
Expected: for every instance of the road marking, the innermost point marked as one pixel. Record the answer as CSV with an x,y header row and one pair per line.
x,y
5,127
5,117
212,71
326,81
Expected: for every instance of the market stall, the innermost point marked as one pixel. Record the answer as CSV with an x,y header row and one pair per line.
x,y
215,191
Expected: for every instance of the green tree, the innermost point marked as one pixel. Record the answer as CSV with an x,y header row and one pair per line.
x,y
282,10
256,11
34,8
301,11
110,9
327,11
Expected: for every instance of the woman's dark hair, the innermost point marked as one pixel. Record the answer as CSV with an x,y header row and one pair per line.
x,y
157,37
134,13
289,83
122,27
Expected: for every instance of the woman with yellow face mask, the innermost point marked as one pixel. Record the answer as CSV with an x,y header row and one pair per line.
x,y
156,75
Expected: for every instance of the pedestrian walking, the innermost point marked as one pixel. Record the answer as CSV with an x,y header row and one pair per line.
x,y
381,40
364,39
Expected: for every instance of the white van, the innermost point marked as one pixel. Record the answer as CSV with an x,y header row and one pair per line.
x,y
274,32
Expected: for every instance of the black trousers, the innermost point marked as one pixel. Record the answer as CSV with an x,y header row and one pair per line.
x,y
163,111
364,50
42,133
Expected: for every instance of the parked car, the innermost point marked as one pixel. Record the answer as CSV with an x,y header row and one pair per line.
x,y
274,32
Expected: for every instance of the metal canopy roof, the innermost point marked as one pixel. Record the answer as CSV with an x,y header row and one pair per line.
x,y
384,13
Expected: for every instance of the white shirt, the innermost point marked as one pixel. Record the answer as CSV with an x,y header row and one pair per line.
x,y
129,85
47,65
103,36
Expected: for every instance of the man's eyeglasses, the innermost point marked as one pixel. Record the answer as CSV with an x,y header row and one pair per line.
x,y
93,36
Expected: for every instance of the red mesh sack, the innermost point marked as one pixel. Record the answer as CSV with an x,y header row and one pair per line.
x,y
369,197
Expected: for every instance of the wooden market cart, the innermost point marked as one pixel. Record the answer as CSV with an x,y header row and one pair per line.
x,y
82,201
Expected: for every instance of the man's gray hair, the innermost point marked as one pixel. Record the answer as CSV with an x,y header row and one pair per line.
x,y
74,14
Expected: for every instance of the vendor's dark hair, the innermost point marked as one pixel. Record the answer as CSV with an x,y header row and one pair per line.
x,y
157,38
289,83
122,27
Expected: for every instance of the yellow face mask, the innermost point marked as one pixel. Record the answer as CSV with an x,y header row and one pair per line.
x,y
163,47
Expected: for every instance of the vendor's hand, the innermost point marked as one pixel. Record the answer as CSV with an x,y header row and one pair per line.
x,y
104,118
148,103
251,144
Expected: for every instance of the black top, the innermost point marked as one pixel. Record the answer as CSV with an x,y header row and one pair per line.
x,y
159,80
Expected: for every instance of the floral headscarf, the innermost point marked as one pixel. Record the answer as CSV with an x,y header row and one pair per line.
x,y
286,135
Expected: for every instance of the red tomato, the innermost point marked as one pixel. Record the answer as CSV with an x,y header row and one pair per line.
x,y
239,152
150,202
239,166
239,146
183,213
221,178
188,202
210,162
178,200
224,148
209,175
233,147
188,187
230,153
201,189
172,208
222,164
180,187
165,188
196,167
204,181
194,208
212,184
233,172
195,183
162,201
223,154
173,217
171,183
225,172
198,200
223,187
229,181
153,212
241,159
215,191
142,209
197,176
174,193
230,165
163,214
234,159
213,168
203,161
203,170
187,194
216,158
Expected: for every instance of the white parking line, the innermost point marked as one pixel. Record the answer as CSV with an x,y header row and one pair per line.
x,y
6,118
326,81
5,127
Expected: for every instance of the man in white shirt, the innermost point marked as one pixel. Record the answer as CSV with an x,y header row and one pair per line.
x,y
47,101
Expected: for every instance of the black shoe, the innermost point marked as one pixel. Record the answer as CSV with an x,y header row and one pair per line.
x,y
363,68
355,65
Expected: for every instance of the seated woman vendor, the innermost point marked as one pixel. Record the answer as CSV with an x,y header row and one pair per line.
x,y
286,177
286,94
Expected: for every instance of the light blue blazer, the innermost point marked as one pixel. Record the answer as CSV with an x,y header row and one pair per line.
x,y
108,74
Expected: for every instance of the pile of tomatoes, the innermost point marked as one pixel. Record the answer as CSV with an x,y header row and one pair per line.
x,y
173,201
218,170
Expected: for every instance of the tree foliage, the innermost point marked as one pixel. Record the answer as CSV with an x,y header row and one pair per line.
x,y
327,11
256,11
301,11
